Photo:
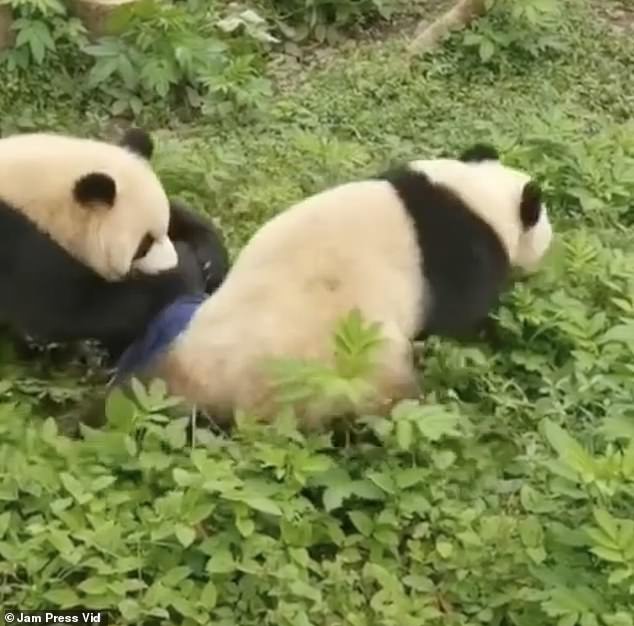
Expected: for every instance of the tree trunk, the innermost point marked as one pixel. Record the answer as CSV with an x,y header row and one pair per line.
x,y
461,14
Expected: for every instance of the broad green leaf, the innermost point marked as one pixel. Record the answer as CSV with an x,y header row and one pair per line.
x,y
469,538
623,333
362,522
315,464
175,576
620,618
606,554
304,590
60,541
619,575
487,50
384,481
62,597
265,505
49,429
74,487
444,459
120,411
130,610
184,478
404,434
569,450
245,526
93,586
607,523
101,483
618,427
444,548
409,477
531,532
5,520
334,496
176,435
221,563
185,534
367,490
209,596
601,538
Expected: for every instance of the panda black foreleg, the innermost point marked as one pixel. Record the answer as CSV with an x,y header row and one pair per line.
x,y
204,241
485,330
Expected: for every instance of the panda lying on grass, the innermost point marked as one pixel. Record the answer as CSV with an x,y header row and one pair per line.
x,y
423,249
90,245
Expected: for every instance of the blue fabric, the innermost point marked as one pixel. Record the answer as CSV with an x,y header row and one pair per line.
x,y
162,331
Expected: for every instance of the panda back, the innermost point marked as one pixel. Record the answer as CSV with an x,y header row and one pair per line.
x,y
349,246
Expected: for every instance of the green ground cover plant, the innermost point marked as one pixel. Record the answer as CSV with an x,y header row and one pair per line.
x,y
202,56
506,497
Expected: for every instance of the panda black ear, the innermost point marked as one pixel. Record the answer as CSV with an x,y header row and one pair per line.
x,y
531,204
95,187
480,152
138,141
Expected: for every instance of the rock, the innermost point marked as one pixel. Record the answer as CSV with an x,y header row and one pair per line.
x,y
95,13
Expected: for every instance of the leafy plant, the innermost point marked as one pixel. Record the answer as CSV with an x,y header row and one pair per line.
x,y
324,19
191,53
43,28
347,380
162,46
525,25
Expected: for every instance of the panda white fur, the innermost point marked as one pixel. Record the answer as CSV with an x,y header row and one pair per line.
x,y
101,202
86,232
423,249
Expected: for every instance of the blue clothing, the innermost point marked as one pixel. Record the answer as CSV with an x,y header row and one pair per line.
x,y
162,331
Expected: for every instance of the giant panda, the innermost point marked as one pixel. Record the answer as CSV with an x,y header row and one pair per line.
x,y
90,245
424,249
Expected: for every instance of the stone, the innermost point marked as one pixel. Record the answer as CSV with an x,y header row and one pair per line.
x,y
95,13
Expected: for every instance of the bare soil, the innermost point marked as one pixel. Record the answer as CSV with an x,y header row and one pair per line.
x,y
297,61
619,14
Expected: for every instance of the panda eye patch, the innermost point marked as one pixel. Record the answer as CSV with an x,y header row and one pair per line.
x,y
144,246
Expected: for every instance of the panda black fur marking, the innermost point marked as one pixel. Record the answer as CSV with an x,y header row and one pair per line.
x,y
53,295
95,187
463,260
480,152
204,243
138,141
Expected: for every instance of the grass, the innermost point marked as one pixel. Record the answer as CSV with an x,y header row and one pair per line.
x,y
499,517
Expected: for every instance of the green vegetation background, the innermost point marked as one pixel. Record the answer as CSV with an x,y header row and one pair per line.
x,y
508,497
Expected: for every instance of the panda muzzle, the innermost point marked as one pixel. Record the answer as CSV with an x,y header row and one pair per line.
x,y
160,257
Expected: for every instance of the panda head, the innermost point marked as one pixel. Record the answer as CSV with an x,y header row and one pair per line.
x,y
509,200
101,202
130,208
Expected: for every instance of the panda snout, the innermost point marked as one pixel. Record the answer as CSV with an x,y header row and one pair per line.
x,y
160,257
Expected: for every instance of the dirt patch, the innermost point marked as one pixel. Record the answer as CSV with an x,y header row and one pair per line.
x,y
618,13
290,68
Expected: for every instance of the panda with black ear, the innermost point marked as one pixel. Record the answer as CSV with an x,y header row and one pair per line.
x,y
423,249
85,250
